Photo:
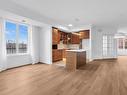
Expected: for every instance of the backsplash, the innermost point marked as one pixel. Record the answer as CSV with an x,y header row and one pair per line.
x,y
73,46
67,46
62,46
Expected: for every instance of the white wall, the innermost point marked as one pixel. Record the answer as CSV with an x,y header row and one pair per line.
x,y
86,46
46,45
36,43
97,41
17,60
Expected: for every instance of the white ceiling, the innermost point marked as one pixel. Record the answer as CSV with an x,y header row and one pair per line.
x,y
76,12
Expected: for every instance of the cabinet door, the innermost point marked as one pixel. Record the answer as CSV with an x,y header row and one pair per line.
x,y
64,53
54,56
55,36
84,34
60,54
75,39
65,38
57,55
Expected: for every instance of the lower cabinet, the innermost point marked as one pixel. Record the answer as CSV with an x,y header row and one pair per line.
x,y
57,54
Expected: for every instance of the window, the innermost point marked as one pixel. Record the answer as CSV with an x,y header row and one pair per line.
x,y
10,37
23,38
16,38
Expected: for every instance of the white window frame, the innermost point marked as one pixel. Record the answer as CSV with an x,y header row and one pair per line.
x,y
108,50
105,45
17,37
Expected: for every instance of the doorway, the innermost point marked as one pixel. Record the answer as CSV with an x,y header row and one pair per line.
x,y
122,46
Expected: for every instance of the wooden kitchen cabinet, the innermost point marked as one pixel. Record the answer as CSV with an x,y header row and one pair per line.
x,y
75,59
64,53
84,34
57,54
74,38
63,37
55,36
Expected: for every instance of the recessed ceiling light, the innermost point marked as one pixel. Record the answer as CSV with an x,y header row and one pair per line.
x,y
70,25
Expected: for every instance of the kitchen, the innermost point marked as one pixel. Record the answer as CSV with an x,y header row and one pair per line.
x,y
63,42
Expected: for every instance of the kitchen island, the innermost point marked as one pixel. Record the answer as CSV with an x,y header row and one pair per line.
x,y
75,59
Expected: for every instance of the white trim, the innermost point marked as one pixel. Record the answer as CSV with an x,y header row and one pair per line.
x,y
17,22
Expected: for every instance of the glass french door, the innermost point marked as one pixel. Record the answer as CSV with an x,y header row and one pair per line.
x,y
122,46
108,46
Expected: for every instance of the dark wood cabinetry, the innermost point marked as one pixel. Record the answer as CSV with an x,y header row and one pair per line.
x,y
69,38
64,53
64,37
75,59
57,54
55,36
74,38
84,34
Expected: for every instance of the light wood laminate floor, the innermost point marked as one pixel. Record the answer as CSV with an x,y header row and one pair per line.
x,y
106,77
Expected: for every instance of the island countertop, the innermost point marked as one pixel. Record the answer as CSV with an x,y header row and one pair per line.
x,y
75,59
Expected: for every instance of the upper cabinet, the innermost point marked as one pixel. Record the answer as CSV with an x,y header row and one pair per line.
x,y
64,37
84,34
55,36
69,38
77,36
74,38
